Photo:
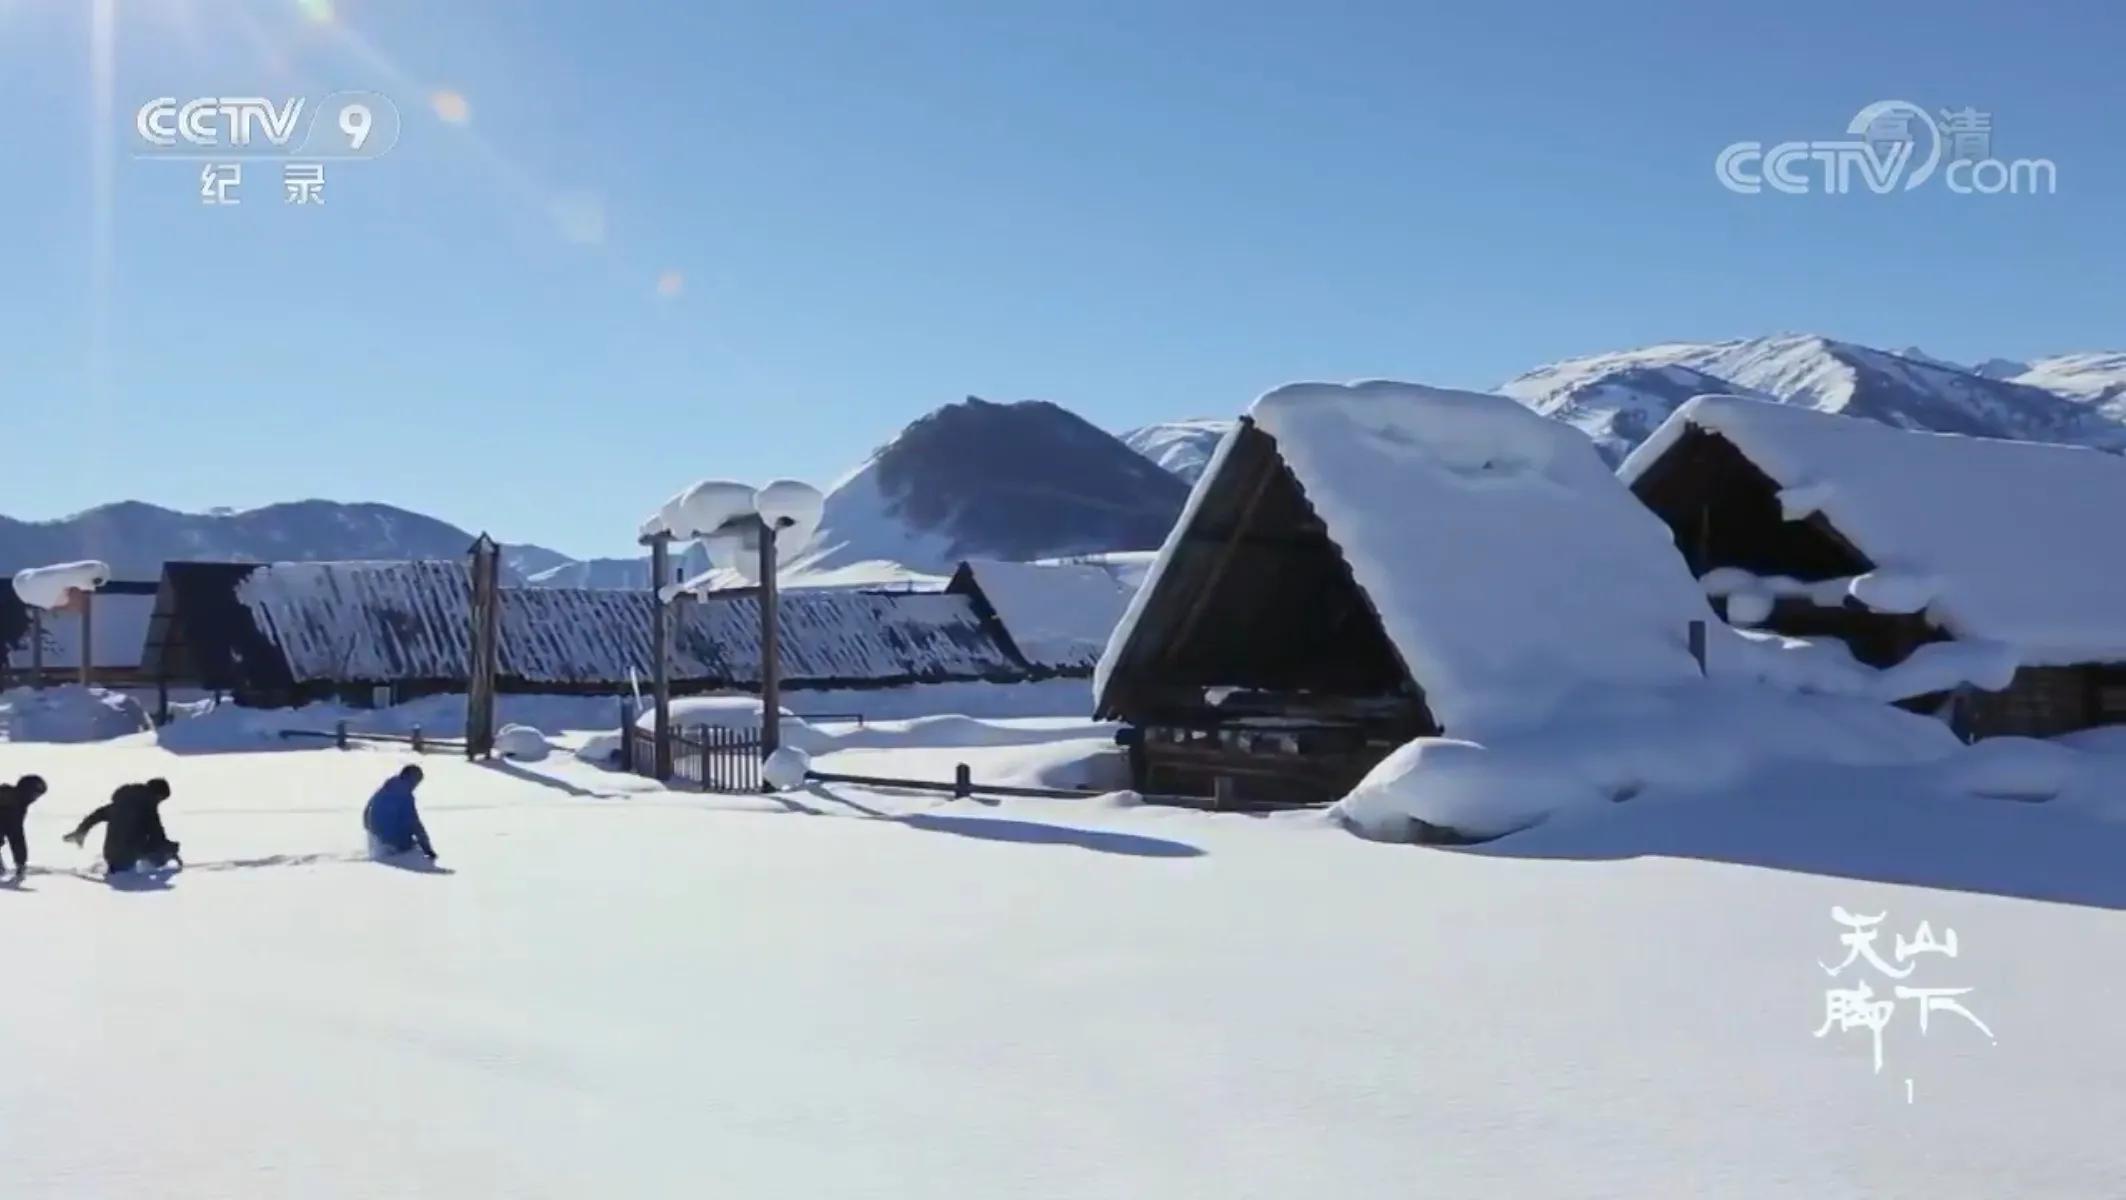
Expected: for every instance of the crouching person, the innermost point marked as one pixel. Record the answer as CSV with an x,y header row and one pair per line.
x,y
133,836
392,820
15,801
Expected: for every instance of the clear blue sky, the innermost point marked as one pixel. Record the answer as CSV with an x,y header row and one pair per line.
x,y
1137,208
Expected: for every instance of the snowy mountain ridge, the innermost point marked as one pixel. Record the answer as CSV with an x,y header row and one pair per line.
x,y
1181,447
136,538
1618,398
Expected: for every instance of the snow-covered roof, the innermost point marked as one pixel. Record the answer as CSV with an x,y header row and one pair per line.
x,y
385,621
1058,614
2013,542
1507,564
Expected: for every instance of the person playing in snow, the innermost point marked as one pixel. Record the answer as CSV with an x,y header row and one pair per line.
x,y
393,823
134,836
15,801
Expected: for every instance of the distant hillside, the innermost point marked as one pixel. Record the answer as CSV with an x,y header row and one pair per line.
x,y
137,538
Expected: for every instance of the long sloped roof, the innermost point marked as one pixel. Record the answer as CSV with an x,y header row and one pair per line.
x,y
357,622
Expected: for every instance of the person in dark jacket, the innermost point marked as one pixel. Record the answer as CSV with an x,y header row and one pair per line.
x,y
135,836
15,801
392,820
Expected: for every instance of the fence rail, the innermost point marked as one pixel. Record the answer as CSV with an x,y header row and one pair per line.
x,y
342,737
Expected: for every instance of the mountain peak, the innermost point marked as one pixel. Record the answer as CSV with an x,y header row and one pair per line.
x,y
1020,480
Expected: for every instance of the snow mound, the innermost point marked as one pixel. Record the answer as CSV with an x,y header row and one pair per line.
x,y
601,749
738,713
1507,563
1615,745
70,714
785,769
522,743
52,587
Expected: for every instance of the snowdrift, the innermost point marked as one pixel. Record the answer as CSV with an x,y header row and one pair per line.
x,y
1618,745
69,714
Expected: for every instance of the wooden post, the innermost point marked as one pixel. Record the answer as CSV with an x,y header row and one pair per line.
x,y
770,647
661,652
36,647
962,782
419,747
1697,644
484,646
1222,796
339,735
88,639
162,699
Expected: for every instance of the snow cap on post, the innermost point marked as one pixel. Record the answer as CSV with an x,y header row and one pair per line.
x,y
52,587
794,508
701,510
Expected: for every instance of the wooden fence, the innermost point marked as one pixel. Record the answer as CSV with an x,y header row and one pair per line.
x,y
710,757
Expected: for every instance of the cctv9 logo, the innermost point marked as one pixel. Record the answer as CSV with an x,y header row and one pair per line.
x,y
342,125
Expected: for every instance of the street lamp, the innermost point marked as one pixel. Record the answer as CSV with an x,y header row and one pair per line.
x,y
741,528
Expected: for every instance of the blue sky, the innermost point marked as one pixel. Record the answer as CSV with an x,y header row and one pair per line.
x,y
1139,209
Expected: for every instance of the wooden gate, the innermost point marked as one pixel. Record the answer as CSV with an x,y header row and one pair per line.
x,y
709,757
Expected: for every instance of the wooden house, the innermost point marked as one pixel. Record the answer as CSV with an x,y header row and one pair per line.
x,y
1903,544
1362,565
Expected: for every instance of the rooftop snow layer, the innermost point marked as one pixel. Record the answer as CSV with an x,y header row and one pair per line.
x,y
1507,564
2019,542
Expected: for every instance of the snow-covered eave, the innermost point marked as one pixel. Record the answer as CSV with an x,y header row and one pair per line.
x,y
1885,589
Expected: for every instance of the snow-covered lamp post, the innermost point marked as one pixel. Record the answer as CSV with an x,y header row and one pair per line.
x,y
55,589
742,529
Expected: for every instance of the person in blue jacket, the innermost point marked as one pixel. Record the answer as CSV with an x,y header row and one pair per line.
x,y
394,824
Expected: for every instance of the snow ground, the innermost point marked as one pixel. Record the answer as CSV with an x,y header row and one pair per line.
x,y
618,990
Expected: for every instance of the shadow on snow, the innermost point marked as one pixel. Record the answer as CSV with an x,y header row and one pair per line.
x,y
1840,826
1003,829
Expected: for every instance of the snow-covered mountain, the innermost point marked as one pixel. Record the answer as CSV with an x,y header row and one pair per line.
x,y
1618,398
1181,447
2097,379
1012,481
1616,405
137,538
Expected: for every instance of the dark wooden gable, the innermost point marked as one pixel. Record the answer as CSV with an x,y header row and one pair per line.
x,y
1256,597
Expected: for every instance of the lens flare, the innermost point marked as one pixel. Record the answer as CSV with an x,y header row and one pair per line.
x,y
317,10
450,107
